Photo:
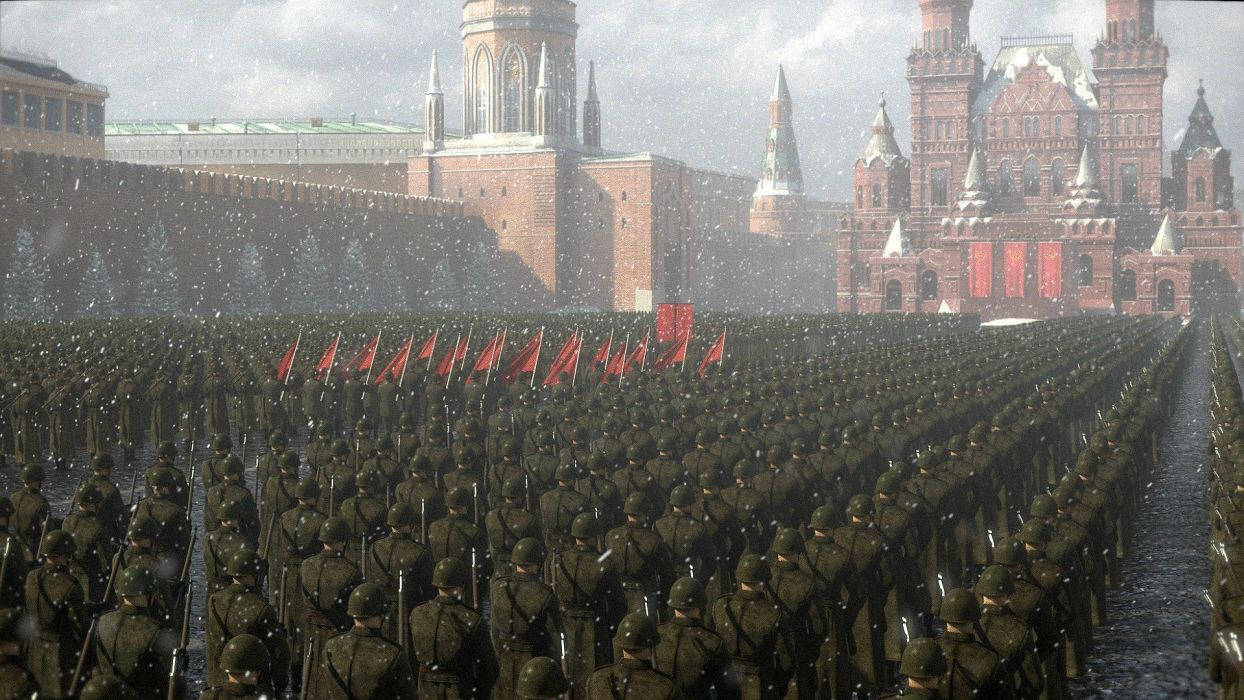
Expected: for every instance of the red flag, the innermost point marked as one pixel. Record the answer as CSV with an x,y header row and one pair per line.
x,y
565,360
525,360
452,355
365,357
429,347
602,354
488,356
326,360
614,366
674,355
715,352
395,366
640,352
288,361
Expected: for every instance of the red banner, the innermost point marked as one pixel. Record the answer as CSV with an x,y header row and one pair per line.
x,y
1014,267
674,321
288,361
715,353
980,269
1050,269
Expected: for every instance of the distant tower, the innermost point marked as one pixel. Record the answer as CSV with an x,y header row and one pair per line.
x,y
591,111
778,206
546,101
434,111
882,174
1201,167
501,42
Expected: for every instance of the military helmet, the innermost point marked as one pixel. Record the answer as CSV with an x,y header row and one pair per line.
x,y
825,439
324,429
243,654
787,541
277,439
541,679
584,526
742,469
458,497
636,631
105,686
996,581
243,562
635,504
1086,464
32,472
688,593
143,528
509,448
822,518
163,478
58,543
960,607
371,480
527,551
1009,550
727,426
703,437
889,482
449,573
665,443
103,460
233,466
334,530
1043,506
290,461
566,471
776,454
134,581
860,506
1034,532
339,448
307,489
88,494
232,509
751,568
597,462
419,464
367,600
384,444
401,515
798,446
682,496
713,478
512,489
221,442
634,453
923,658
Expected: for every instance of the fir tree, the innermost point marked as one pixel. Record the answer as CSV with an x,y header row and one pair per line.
x,y
352,282
156,293
96,297
481,291
250,293
24,296
443,290
390,290
309,292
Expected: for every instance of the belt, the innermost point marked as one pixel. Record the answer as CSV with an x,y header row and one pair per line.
x,y
427,674
579,613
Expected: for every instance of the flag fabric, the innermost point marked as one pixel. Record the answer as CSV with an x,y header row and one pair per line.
x,y
397,364
602,354
429,347
675,354
615,365
446,364
364,359
636,360
326,360
488,356
288,360
715,352
525,360
565,361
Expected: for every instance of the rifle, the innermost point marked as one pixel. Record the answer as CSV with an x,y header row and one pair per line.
x,y
81,665
133,486
475,500
281,597
363,559
43,533
180,651
402,622
332,494
423,520
306,669
474,583
257,494
4,563
267,539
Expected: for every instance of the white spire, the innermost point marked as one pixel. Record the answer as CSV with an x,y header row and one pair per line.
x,y
434,77
780,90
897,246
975,179
1086,178
544,66
1167,240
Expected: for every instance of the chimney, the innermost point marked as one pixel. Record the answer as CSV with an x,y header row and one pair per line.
x,y
354,118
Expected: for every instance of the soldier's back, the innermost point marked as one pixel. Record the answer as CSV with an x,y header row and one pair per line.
x,y
694,656
362,664
451,646
632,678
131,645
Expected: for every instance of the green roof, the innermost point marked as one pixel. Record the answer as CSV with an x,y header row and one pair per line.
x,y
257,126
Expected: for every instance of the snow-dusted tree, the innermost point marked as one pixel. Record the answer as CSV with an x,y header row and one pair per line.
x,y
156,292
480,288
310,291
390,287
443,289
352,280
250,293
96,296
24,296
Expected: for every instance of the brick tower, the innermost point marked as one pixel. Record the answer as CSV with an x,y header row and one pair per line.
x,y
779,205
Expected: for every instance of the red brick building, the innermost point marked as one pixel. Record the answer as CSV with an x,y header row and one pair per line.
x,y
598,229
1035,188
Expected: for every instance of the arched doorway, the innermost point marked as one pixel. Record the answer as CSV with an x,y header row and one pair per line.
x,y
893,295
1166,296
928,285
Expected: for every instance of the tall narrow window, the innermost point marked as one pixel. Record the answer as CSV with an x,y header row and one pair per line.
x,y
893,295
928,285
1032,178
1140,124
1086,271
1166,296
1058,126
1056,178
1127,285
33,112
937,184
876,195
859,196
1006,128
11,108
483,91
512,118
1130,192
1200,189
1005,186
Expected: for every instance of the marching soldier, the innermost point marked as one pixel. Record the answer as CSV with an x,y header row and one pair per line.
x,y
541,679
866,613
174,535
242,609
93,543
590,592
450,641
297,538
56,602
834,582
245,663
112,510
793,590
13,587
692,551
974,669
336,479
15,680
231,488
455,536
924,665
1007,633
141,534
360,663
688,652
400,554
364,514
558,508
131,644
508,523
754,631
325,581
30,508
526,622
633,673
280,493
418,490
644,560
221,543
270,463
214,466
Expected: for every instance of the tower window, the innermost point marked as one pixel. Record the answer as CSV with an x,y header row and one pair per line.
x,y
876,195
504,192
893,295
1200,189
1166,296
1005,186
937,186
12,99
1006,128
928,285
1086,270
1140,124
1127,285
937,131
859,196
1058,126
33,112
513,77
623,195
1032,178
483,91
1130,192
1056,178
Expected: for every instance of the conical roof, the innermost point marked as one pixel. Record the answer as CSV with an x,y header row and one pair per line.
x,y
1200,132
882,144
1167,240
434,76
897,245
780,90
545,67
780,172
975,181
1086,175
591,82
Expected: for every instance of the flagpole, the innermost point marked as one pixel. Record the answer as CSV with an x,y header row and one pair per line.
x,y
331,359
467,350
643,361
452,359
410,345
577,351
609,350
436,336
495,359
682,366
290,369
626,347
375,349
536,366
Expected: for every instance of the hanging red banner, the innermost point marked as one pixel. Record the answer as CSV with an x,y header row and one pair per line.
x,y
980,269
1015,261
1050,269
674,321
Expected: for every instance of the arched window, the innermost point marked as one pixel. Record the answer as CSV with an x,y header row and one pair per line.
x,y
893,295
512,77
1056,177
937,187
1005,186
1116,124
937,131
928,285
483,90
1032,178
1006,128
1036,127
1086,270
1129,125
565,111
876,194
1058,126
945,38
1130,192
1140,124
859,196
1127,285
1200,189
1166,296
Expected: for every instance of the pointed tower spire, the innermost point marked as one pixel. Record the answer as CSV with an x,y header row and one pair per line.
x,y
591,111
974,181
1086,195
1200,132
974,199
882,144
780,172
546,101
1086,175
434,111
897,245
1167,240
780,89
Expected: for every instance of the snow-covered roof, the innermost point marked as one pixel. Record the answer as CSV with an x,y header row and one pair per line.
x,y
1167,240
897,245
1200,133
1060,60
882,144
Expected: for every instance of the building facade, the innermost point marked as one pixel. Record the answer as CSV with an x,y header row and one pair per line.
x,y
43,109
1035,188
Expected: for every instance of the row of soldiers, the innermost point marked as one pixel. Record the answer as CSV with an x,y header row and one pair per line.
x,y
642,546
1226,509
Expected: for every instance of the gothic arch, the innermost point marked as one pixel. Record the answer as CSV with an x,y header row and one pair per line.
x,y
514,89
481,91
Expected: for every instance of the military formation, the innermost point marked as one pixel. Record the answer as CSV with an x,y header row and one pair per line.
x,y
939,513
1226,509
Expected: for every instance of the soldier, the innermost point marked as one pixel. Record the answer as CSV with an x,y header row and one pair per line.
x,y
526,621
456,537
644,560
692,551
450,641
508,523
360,663
30,508
214,466
633,673
542,463
1007,633
834,583
419,491
55,600
270,463
221,543
242,609
131,644
174,535
15,680
691,654
558,508
297,538
162,403
231,488
279,495
244,662
400,554
590,592
793,590
666,470
112,510
633,478
541,679
384,462
748,507
364,514
16,557
128,413
325,581
866,613
505,468
336,479
924,665
602,494
405,439
93,543
974,669
140,536
754,631
319,448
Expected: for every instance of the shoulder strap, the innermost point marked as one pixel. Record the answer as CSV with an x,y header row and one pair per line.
x,y
332,671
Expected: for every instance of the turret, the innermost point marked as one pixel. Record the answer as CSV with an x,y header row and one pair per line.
x,y
779,203
591,111
434,110
546,98
1167,241
1201,167
882,175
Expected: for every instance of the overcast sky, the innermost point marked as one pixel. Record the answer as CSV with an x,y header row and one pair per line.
x,y
689,79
